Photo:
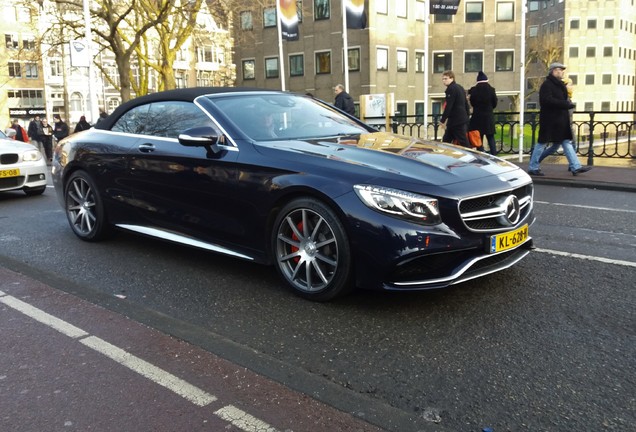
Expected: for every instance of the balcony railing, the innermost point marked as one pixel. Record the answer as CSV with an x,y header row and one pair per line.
x,y
596,133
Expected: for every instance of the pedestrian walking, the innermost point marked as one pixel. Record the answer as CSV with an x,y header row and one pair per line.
x,y
47,139
20,133
60,128
82,125
455,116
483,99
343,100
555,124
35,132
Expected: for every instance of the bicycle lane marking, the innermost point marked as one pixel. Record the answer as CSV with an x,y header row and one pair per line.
x,y
193,394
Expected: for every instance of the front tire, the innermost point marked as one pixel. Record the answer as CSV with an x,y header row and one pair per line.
x,y
84,208
312,250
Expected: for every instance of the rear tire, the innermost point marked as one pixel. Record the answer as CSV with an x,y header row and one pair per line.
x,y
84,208
312,250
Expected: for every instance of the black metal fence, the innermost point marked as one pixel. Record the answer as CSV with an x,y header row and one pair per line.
x,y
597,133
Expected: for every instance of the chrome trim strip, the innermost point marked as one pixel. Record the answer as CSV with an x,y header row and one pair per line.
x,y
456,277
167,235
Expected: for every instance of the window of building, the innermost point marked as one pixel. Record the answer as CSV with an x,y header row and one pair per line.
x,y
608,51
473,61
246,20
31,70
28,43
269,17
589,79
401,111
533,31
443,18
442,61
590,52
609,23
322,9
15,70
11,40
299,10
420,11
382,7
552,27
574,24
560,25
504,61
249,69
400,8
323,62
181,78
23,14
354,59
591,23
533,5
574,79
55,67
76,102
402,60
419,112
25,98
607,78
382,58
474,12
505,11
588,106
296,65
204,79
574,52
419,61
271,67
206,54
605,106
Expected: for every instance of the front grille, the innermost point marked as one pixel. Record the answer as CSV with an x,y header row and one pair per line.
x,y
11,182
9,158
487,213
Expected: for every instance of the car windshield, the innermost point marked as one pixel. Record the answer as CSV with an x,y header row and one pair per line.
x,y
273,116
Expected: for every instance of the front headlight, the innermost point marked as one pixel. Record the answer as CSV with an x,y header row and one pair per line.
x,y
406,205
31,156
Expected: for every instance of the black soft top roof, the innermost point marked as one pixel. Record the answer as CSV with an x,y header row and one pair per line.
x,y
185,94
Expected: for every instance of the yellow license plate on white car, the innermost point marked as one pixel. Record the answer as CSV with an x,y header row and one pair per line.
x,y
508,240
9,173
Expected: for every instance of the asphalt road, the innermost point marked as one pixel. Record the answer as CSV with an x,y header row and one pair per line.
x,y
547,345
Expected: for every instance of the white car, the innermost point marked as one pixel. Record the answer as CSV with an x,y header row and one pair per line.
x,y
22,166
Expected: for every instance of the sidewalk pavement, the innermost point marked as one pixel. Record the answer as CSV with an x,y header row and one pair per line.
x,y
617,174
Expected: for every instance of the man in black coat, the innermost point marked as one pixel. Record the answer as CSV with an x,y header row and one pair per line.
x,y
343,100
554,122
483,99
455,116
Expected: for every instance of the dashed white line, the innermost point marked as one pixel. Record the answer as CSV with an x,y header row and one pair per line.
x,y
229,413
586,207
150,371
243,420
588,257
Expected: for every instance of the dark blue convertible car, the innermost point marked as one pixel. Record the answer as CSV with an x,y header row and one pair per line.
x,y
287,180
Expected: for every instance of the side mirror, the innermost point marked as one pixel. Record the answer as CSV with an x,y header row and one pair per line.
x,y
198,137
10,132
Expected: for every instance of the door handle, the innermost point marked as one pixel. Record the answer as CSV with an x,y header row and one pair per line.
x,y
146,148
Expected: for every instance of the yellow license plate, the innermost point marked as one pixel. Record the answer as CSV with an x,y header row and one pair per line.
x,y
509,240
9,173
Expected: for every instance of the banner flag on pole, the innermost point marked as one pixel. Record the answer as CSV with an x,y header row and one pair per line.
x,y
356,18
80,54
288,19
444,7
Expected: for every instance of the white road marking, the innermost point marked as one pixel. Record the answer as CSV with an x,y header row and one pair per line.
x,y
588,257
586,207
150,371
41,316
243,420
231,414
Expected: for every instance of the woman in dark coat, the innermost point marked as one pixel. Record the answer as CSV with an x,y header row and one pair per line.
x,y
483,99
82,125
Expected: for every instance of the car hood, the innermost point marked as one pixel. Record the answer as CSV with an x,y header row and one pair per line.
x,y
14,146
415,158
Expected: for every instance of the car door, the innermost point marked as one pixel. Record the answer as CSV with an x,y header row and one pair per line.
x,y
186,191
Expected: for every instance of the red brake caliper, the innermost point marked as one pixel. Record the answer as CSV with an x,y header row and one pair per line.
x,y
295,238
